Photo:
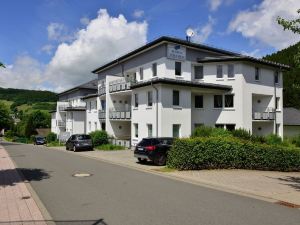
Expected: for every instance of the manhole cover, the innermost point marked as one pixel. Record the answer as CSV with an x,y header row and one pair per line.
x,y
26,197
82,175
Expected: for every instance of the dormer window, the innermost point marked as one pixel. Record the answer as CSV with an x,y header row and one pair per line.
x,y
219,71
230,72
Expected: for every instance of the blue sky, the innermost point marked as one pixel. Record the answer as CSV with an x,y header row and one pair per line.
x,y
28,44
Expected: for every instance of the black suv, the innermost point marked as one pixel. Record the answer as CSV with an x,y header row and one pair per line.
x,y
79,142
38,140
153,149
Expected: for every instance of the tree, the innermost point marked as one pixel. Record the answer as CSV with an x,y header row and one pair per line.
x,y
5,119
2,65
294,26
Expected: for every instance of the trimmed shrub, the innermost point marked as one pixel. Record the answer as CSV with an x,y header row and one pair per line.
x,y
204,131
110,147
273,139
229,153
99,137
51,137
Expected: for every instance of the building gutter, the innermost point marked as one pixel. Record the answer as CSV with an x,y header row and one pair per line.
x,y
156,106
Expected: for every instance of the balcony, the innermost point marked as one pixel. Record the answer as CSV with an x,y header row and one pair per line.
x,y
62,106
101,114
120,85
120,114
266,114
61,123
102,91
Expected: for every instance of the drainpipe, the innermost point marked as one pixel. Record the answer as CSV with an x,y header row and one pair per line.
x,y
156,103
275,100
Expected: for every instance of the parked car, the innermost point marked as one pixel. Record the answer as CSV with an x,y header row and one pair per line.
x,y
38,140
79,142
153,149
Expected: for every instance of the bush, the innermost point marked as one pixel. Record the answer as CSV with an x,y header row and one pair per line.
x,y
109,147
51,137
273,139
231,152
204,131
295,140
241,133
9,134
99,137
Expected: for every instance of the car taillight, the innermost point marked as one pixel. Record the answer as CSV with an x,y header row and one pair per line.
x,y
150,148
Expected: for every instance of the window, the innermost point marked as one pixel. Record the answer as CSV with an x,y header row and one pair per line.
x,y
230,127
276,77
103,104
277,103
229,102
218,101
90,105
175,98
102,126
199,101
257,73
96,104
230,71
136,130
178,68
95,125
149,130
198,72
176,130
90,126
150,98
141,73
154,69
136,100
219,126
219,71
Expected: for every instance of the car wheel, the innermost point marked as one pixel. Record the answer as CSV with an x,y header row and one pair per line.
x,y
160,159
142,160
74,148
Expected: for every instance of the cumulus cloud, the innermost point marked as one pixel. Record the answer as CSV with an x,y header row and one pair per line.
x,y
259,23
47,48
202,33
255,53
103,39
138,13
59,32
85,20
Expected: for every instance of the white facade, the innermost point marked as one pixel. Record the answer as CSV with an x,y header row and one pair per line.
x,y
141,95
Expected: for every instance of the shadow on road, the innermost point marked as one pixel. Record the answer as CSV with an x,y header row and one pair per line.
x,y
10,177
58,222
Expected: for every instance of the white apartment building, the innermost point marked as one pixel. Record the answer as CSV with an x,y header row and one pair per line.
x,y
170,86
70,114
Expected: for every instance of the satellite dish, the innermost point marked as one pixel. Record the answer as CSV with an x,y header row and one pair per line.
x,y
189,32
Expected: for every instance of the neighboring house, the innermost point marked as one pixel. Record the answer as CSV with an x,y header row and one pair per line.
x,y
291,122
70,114
170,86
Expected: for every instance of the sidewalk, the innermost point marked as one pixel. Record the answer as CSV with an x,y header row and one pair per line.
x,y
16,203
268,185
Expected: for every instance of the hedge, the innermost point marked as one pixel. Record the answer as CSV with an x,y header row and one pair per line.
x,y
231,153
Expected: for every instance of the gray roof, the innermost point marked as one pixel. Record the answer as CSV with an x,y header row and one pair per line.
x,y
93,84
291,116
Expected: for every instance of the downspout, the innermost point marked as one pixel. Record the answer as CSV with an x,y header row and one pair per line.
x,y
156,103
275,100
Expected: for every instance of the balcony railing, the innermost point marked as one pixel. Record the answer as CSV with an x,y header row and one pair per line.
x,y
120,114
267,114
102,114
102,90
120,85
61,123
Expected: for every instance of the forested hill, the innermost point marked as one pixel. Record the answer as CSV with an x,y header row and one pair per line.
x,y
291,79
20,96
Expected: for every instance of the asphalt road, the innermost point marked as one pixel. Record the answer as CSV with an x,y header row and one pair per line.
x,y
116,195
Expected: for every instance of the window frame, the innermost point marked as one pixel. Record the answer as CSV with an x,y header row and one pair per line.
x,y
173,126
230,107
136,130
220,68
149,97
218,107
174,100
179,70
257,74
148,126
195,102
276,77
136,100
154,69
232,76
141,73
202,75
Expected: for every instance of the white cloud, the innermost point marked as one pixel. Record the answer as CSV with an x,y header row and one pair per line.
x,y
214,5
59,32
85,20
47,48
259,23
255,53
202,33
103,39
138,13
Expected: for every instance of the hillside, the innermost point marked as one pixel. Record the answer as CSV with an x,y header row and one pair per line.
x,y
27,100
291,79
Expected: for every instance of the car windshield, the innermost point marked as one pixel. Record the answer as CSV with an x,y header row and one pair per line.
x,y
147,142
39,138
83,137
